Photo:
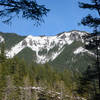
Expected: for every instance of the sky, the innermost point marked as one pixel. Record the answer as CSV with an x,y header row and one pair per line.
x,y
64,16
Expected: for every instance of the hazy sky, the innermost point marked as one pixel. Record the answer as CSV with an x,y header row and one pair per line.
x,y
64,16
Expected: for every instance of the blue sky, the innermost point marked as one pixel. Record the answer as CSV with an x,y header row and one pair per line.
x,y
64,16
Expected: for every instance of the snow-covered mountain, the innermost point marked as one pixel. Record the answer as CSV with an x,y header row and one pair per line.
x,y
62,50
47,43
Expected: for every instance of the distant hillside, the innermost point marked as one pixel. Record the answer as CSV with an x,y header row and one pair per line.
x,y
11,39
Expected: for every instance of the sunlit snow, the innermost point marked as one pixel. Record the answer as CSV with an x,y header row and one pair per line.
x,y
81,50
39,43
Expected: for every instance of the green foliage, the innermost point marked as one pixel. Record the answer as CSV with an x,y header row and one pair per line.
x,y
2,54
90,80
28,9
68,60
11,39
15,75
27,54
90,20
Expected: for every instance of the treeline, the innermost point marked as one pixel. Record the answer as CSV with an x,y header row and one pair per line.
x,y
17,78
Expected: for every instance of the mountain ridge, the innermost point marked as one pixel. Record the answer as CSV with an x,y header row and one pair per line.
x,y
39,44
63,50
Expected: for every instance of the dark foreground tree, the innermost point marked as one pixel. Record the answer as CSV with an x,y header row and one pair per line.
x,y
89,20
92,79
2,52
28,9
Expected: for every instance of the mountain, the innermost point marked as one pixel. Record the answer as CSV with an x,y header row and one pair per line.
x,y
65,50
10,39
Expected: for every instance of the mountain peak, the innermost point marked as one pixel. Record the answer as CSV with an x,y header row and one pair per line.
x,y
29,36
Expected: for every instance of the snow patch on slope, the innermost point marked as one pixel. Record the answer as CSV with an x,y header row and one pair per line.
x,y
56,54
1,39
15,50
82,50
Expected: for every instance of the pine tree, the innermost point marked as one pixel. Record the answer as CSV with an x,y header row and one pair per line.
x,y
92,43
2,53
28,9
86,83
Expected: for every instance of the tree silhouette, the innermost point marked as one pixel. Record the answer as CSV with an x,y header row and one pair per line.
x,y
2,53
28,9
92,43
90,20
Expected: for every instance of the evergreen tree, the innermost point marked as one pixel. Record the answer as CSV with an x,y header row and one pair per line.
x,y
28,9
17,80
86,83
2,53
89,20
92,43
